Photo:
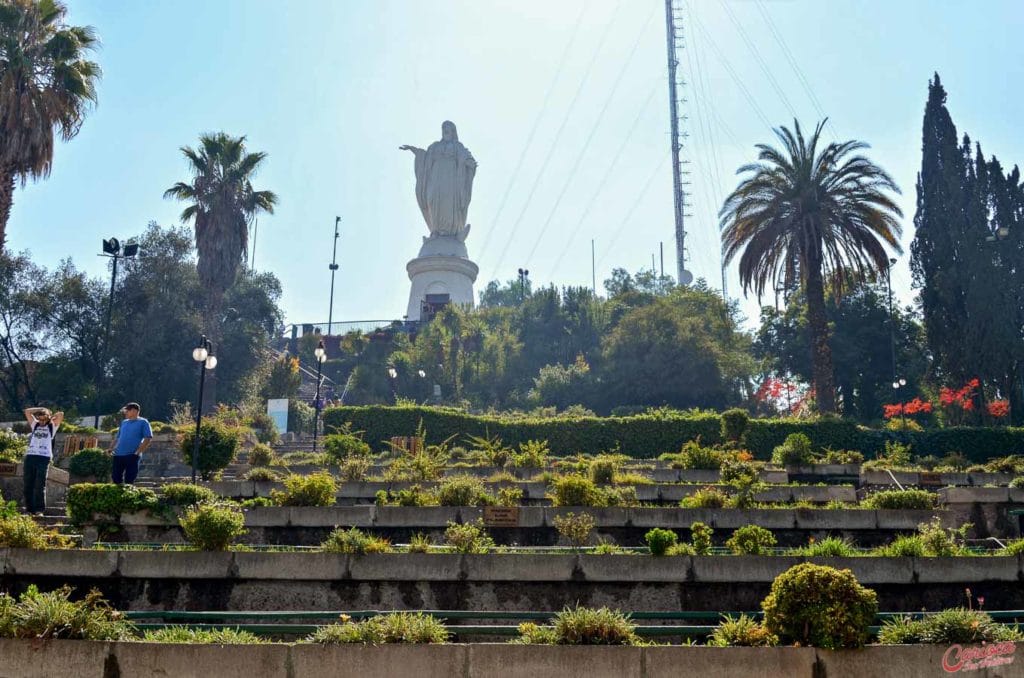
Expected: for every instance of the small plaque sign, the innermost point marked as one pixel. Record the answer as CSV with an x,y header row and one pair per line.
x,y
8,469
930,478
501,516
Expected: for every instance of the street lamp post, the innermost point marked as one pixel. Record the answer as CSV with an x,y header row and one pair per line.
x,y
524,278
897,384
113,250
202,354
892,321
321,355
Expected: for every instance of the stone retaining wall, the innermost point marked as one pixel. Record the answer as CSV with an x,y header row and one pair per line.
x,y
534,525
84,659
146,580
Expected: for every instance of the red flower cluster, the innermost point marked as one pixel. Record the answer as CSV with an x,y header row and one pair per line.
x,y
773,389
962,398
915,406
999,408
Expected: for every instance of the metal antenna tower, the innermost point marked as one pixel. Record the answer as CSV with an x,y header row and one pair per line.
x,y
674,43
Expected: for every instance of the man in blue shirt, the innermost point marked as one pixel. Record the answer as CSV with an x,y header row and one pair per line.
x,y
133,437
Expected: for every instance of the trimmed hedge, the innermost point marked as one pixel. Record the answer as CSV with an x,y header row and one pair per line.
x,y
646,436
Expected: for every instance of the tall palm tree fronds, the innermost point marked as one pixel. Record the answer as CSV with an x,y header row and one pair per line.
x,y
47,85
223,203
802,216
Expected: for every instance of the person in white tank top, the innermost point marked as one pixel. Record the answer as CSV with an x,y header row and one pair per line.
x,y
42,429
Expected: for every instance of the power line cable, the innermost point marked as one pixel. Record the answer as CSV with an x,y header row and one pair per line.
x,y
795,65
632,209
558,135
607,175
760,59
533,130
590,137
732,72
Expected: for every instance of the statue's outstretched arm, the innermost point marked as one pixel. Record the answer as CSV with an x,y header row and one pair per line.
x,y
416,150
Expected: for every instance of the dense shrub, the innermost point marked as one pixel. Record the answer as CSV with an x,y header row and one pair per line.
x,y
901,499
192,636
659,541
187,494
903,546
963,626
12,446
262,474
264,427
531,454
463,490
340,447
22,532
706,497
261,455
354,541
901,630
354,469
700,536
1013,548
41,616
301,416
574,528
819,606
829,547
586,626
842,457
650,434
91,462
86,500
941,541
694,456
212,527
395,627
750,540
734,424
574,490
218,445
315,489
742,631
794,451
602,470
468,537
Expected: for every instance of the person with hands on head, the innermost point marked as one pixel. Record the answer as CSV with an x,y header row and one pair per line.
x,y
43,427
133,437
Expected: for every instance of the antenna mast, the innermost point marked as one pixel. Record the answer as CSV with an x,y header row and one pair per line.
x,y
674,42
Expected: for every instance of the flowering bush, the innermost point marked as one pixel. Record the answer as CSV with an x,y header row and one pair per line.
x,y
998,409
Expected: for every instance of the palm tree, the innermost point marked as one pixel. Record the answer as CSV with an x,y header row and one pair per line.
x,y
223,205
803,217
46,87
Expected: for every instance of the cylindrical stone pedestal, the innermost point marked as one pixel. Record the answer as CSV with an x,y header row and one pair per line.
x,y
441,272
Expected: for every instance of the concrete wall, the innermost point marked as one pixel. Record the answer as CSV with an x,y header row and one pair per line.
x,y
536,492
323,581
309,526
12,488
34,659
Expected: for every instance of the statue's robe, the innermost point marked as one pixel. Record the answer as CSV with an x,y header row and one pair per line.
x,y
444,186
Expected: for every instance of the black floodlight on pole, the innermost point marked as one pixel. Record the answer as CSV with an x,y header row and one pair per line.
x,y
113,250
202,354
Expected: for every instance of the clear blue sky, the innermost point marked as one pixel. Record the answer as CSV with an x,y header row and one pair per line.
x,y
331,94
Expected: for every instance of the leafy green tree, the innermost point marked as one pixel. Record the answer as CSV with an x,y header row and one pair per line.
x,y
968,259
683,350
47,85
861,349
806,216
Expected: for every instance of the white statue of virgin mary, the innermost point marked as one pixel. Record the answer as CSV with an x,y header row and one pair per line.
x,y
444,183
